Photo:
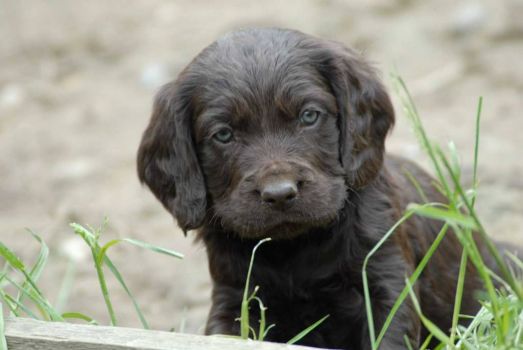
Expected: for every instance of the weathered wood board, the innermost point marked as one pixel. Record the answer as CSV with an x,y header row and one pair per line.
x,y
29,334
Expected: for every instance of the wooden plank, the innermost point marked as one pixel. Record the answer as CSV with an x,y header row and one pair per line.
x,y
29,334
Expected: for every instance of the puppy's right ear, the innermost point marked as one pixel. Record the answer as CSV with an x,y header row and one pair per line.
x,y
167,160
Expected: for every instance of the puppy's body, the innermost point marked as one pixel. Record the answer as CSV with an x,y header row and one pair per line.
x,y
319,273
274,133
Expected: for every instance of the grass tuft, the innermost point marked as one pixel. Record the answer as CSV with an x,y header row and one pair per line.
x,y
31,302
499,323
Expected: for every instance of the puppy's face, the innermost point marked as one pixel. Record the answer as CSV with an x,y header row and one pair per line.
x,y
256,134
268,143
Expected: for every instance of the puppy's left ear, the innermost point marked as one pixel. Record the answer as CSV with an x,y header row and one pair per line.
x,y
365,113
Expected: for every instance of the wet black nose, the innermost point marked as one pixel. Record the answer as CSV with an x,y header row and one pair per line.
x,y
280,191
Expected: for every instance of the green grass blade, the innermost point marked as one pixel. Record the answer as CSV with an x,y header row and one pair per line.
x,y
366,289
454,159
426,343
3,341
153,248
252,333
87,236
244,311
14,304
92,241
472,329
35,298
5,270
447,215
459,295
103,257
263,330
103,250
412,280
488,242
407,342
476,150
43,301
43,305
412,114
431,327
11,258
416,185
29,286
79,316
120,280
267,330
39,265
499,323
262,322
307,330
244,319
42,258
10,305
100,257
516,260
139,244
103,287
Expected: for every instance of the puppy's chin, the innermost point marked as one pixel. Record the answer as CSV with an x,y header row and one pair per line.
x,y
283,231
278,227
290,230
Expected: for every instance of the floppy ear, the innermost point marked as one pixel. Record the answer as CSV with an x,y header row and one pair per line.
x,y
365,114
167,160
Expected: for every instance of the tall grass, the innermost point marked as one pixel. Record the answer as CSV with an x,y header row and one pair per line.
x,y
30,301
20,293
499,323
246,329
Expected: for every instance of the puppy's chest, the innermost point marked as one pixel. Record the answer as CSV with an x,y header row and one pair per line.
x,y
295,304
311,289
307,280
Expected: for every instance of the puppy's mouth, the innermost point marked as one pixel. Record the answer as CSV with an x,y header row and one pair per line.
x,y
277,225
288,230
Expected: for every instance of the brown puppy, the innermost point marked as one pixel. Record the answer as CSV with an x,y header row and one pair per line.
x,y
275,133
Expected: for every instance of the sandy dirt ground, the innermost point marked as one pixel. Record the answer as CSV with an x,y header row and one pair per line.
x,y
76,83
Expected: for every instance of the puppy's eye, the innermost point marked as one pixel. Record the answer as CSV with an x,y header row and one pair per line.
x,y
223,135
309,117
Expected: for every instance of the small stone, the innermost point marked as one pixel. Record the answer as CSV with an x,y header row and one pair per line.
x,y
73,170
11,96
75,249
469,18
155,75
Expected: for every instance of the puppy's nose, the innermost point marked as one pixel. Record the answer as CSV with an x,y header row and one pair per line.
x,y
279,191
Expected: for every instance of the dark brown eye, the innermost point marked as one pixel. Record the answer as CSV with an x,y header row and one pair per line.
x,y
309,117
223,135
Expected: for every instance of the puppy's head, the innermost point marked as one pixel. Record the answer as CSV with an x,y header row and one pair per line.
x,y
263,133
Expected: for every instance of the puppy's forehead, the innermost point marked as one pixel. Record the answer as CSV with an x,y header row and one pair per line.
x,y
254,72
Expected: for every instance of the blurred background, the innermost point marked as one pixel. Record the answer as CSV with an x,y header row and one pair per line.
x,y
77,79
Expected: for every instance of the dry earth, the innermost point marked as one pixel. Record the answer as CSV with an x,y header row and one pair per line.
x,y
76,83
